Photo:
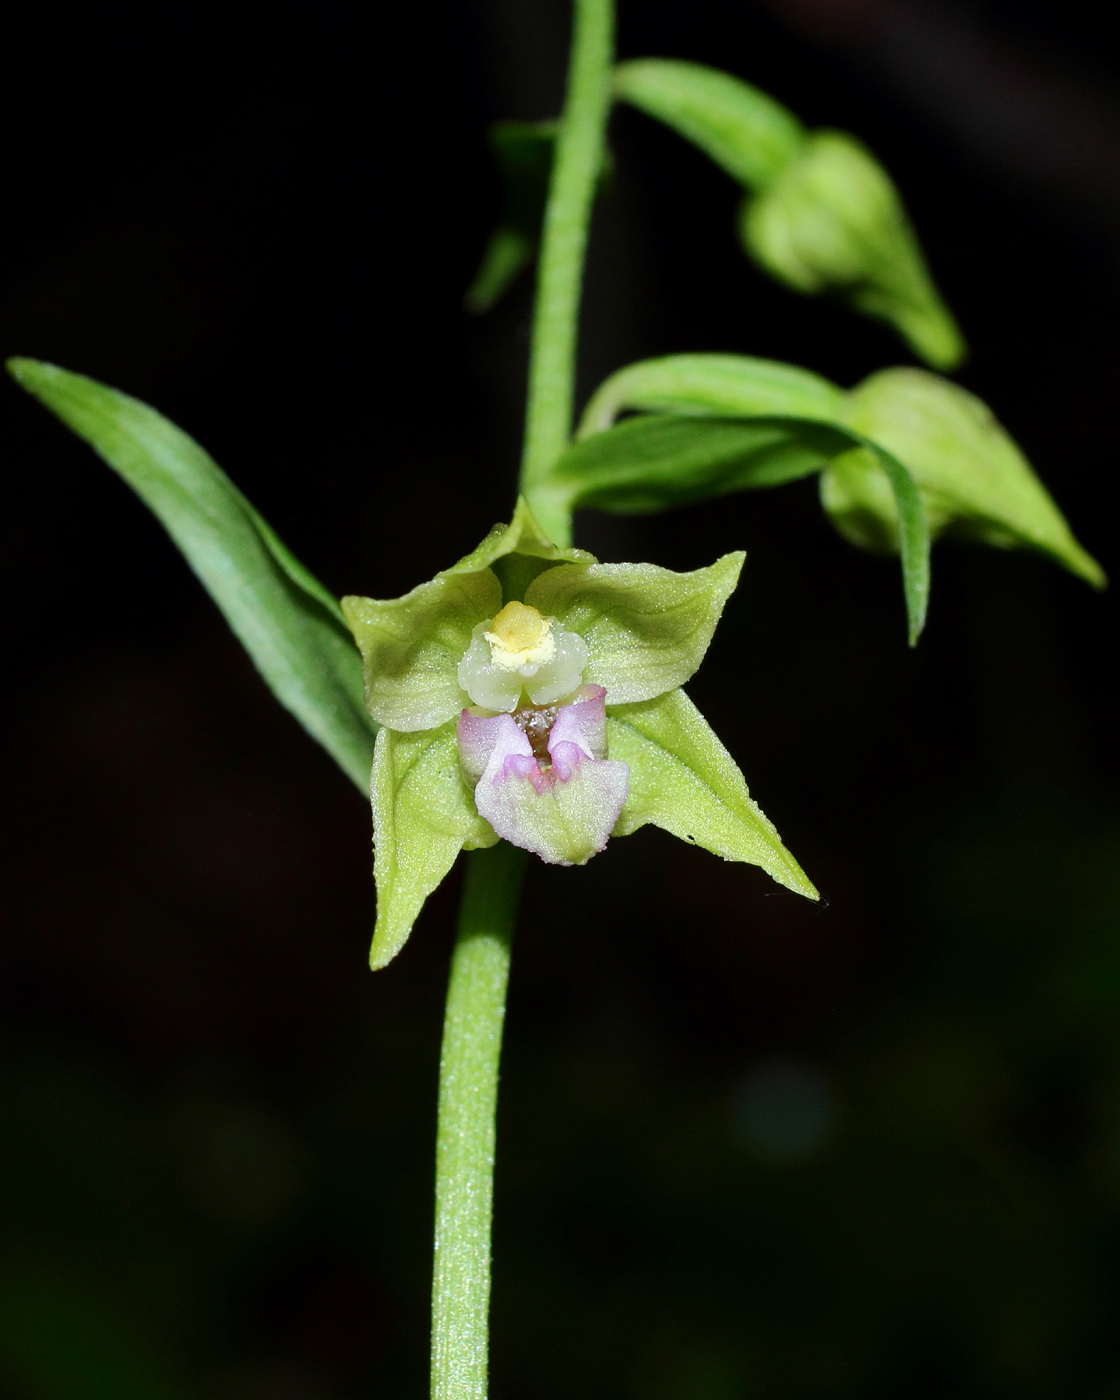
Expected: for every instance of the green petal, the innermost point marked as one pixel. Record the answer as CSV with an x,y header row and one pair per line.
x,y
683,780
970,473
411,646
423,816
646,628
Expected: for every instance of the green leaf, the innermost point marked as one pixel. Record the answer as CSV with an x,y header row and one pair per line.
x,y
663,460
507,253
646,628
289,624
727,385
750,135
411,646
914,540
972,477
683,780
423,816
523,153
833,221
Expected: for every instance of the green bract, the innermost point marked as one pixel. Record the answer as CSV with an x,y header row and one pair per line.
x,y
646,630
903,456
739,127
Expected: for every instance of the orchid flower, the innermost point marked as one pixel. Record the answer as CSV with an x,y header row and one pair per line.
x,y
531,694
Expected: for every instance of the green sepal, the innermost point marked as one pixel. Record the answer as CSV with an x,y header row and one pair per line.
x,y
683,780
522,536
287,621
743,130
833,221
972,477
727,385
423,816
411,646
646,628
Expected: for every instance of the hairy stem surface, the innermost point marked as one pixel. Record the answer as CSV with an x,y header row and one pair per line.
x,y
468,1098
578,160
472,1031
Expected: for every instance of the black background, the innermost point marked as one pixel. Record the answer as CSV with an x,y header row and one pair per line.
x,y
217,1126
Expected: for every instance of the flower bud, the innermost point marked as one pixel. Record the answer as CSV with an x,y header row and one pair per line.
x,y
972,478
833,221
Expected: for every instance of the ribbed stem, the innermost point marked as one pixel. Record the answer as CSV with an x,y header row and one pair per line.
x,y
472,1031
468,1098
578,160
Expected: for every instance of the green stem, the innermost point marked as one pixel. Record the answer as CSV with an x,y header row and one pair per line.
x,y
476,994
579,157
468,1097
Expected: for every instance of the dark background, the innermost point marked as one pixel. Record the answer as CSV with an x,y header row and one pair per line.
x,y
749,1148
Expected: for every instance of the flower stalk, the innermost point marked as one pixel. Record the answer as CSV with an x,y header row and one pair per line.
x,y
579,156
480,967
468,1095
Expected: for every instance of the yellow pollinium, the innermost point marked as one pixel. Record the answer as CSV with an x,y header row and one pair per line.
x,y
520,636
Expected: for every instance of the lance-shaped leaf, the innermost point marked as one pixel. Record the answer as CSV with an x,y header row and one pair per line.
x,y
423,816
286,620
913,537
743,130
507,254
972,477
659,460
833,221
646,628
662,460
683,780
725,385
